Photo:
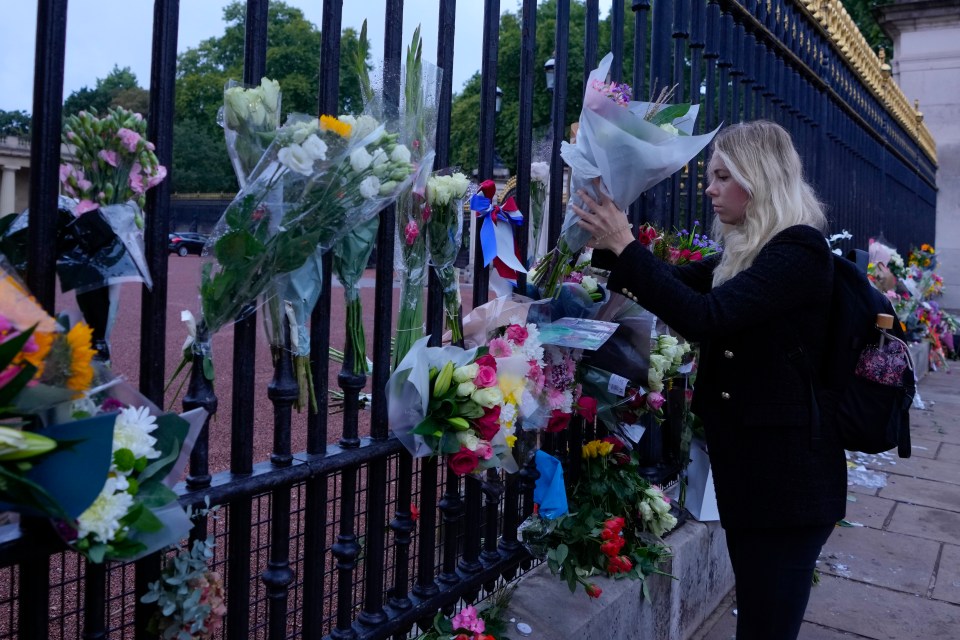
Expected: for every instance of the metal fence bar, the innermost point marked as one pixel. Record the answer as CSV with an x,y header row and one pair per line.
x,y
616,40
641,19
558,116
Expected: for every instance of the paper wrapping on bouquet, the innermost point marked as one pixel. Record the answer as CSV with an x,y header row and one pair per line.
x,y
627,351
73,474
627,152
498,243
549,491
701,497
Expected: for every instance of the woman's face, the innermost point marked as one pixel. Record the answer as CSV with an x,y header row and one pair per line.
x,y
729,199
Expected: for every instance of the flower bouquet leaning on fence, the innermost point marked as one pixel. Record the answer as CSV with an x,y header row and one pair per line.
x,y
445,194
470,623
308,190
630,146
614,526
448,401
539,181
250,117
190,598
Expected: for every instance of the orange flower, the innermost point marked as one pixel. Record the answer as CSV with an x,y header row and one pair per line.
x,y
331,123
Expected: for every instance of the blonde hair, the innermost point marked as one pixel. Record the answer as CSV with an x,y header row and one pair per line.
x,y
761,158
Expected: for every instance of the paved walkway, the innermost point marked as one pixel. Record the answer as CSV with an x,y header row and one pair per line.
x,y
896,573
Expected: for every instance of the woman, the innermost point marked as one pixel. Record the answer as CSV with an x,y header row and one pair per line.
x,y
759,311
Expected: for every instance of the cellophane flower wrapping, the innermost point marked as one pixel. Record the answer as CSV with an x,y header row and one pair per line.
x,y
250,117
447,401
618,142
445,194
419,110
314,184
539,182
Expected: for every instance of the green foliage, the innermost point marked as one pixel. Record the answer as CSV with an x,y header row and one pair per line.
x,y
862,12
118,89
14,123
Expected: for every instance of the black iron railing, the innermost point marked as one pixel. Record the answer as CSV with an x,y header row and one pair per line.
x,y
323,542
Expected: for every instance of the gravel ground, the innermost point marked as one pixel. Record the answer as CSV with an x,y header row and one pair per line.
x,y
183,278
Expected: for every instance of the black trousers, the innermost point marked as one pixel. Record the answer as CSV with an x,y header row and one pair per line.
x,y
774,572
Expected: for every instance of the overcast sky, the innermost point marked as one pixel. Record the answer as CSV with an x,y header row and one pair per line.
x,y
101,33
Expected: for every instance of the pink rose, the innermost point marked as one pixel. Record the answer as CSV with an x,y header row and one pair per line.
x,y
655,400
487,360
484,451
489,425
410,232
486,377
464,461
696,256
129,138
500,348
517,334
575,277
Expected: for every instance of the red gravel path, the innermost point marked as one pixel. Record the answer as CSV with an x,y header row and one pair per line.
x,y
183,278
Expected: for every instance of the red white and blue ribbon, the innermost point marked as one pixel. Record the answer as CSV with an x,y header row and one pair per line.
x,y
497,241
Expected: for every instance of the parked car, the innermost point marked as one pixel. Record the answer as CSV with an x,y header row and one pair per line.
x,y
183,243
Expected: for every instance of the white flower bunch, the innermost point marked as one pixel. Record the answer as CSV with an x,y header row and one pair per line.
x,y
133,446
258,106
442,190
360,126
655,512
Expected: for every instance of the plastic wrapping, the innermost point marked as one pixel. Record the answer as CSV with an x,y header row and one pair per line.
x,y
445,196
250,117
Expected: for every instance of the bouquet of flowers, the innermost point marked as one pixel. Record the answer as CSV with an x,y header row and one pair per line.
x,y
190,598
445,194
925,257
449,401
614,526
471,623
250,117
630,146
421,100
539,179
315,183
681,247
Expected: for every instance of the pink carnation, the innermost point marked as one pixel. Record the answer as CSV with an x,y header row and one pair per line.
x,y
136,179
129,138
410,232
109,156
157,177
85,206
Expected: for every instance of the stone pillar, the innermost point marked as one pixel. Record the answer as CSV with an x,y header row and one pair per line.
x,y
8,191
926,65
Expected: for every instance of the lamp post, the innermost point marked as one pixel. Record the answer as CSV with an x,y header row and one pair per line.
x,y
499,102
549,73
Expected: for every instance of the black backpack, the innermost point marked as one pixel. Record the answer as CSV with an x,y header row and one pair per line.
x,y
868,416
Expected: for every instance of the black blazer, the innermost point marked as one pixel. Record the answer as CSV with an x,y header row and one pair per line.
x,y
753,399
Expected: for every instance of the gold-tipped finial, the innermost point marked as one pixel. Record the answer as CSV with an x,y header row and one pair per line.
x,y
884,67
916,111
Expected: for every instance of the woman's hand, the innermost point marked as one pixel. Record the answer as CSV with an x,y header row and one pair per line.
x,y
606,223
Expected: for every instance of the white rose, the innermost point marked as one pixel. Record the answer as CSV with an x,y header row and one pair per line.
x,y
235,106
315,147
379,157
370,187
589,283
258,114
487,397
468,440
362,127
465,389
466,372
360,159
296,159
271,94
400,154
669,128
540,172
459,184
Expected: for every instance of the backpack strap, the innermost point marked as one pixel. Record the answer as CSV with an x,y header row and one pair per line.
x,y
799,358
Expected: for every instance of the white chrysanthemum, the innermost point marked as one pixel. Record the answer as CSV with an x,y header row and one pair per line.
x,y
102,518
84,406
370,187
508,413
315,147
360,159
132,431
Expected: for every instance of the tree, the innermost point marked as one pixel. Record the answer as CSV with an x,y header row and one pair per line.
x,y
14,123
862,12
293,59
118,89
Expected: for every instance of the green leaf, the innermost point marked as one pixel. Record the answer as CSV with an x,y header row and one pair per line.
x,y
668,114
147,522
236,248
96,553
429,427
156,494
562,552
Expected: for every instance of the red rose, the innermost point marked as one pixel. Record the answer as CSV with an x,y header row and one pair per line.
x,y
685,254
587,408
594,591
617,443
655,400
487,361
517,334
608,534
696,256
414,512
489,424
463,462
611,548
462,636
558,421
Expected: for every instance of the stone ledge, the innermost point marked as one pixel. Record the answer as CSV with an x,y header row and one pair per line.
x,y
676,609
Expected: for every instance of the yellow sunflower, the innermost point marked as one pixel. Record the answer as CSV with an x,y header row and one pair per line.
x,y
81,355
331,123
